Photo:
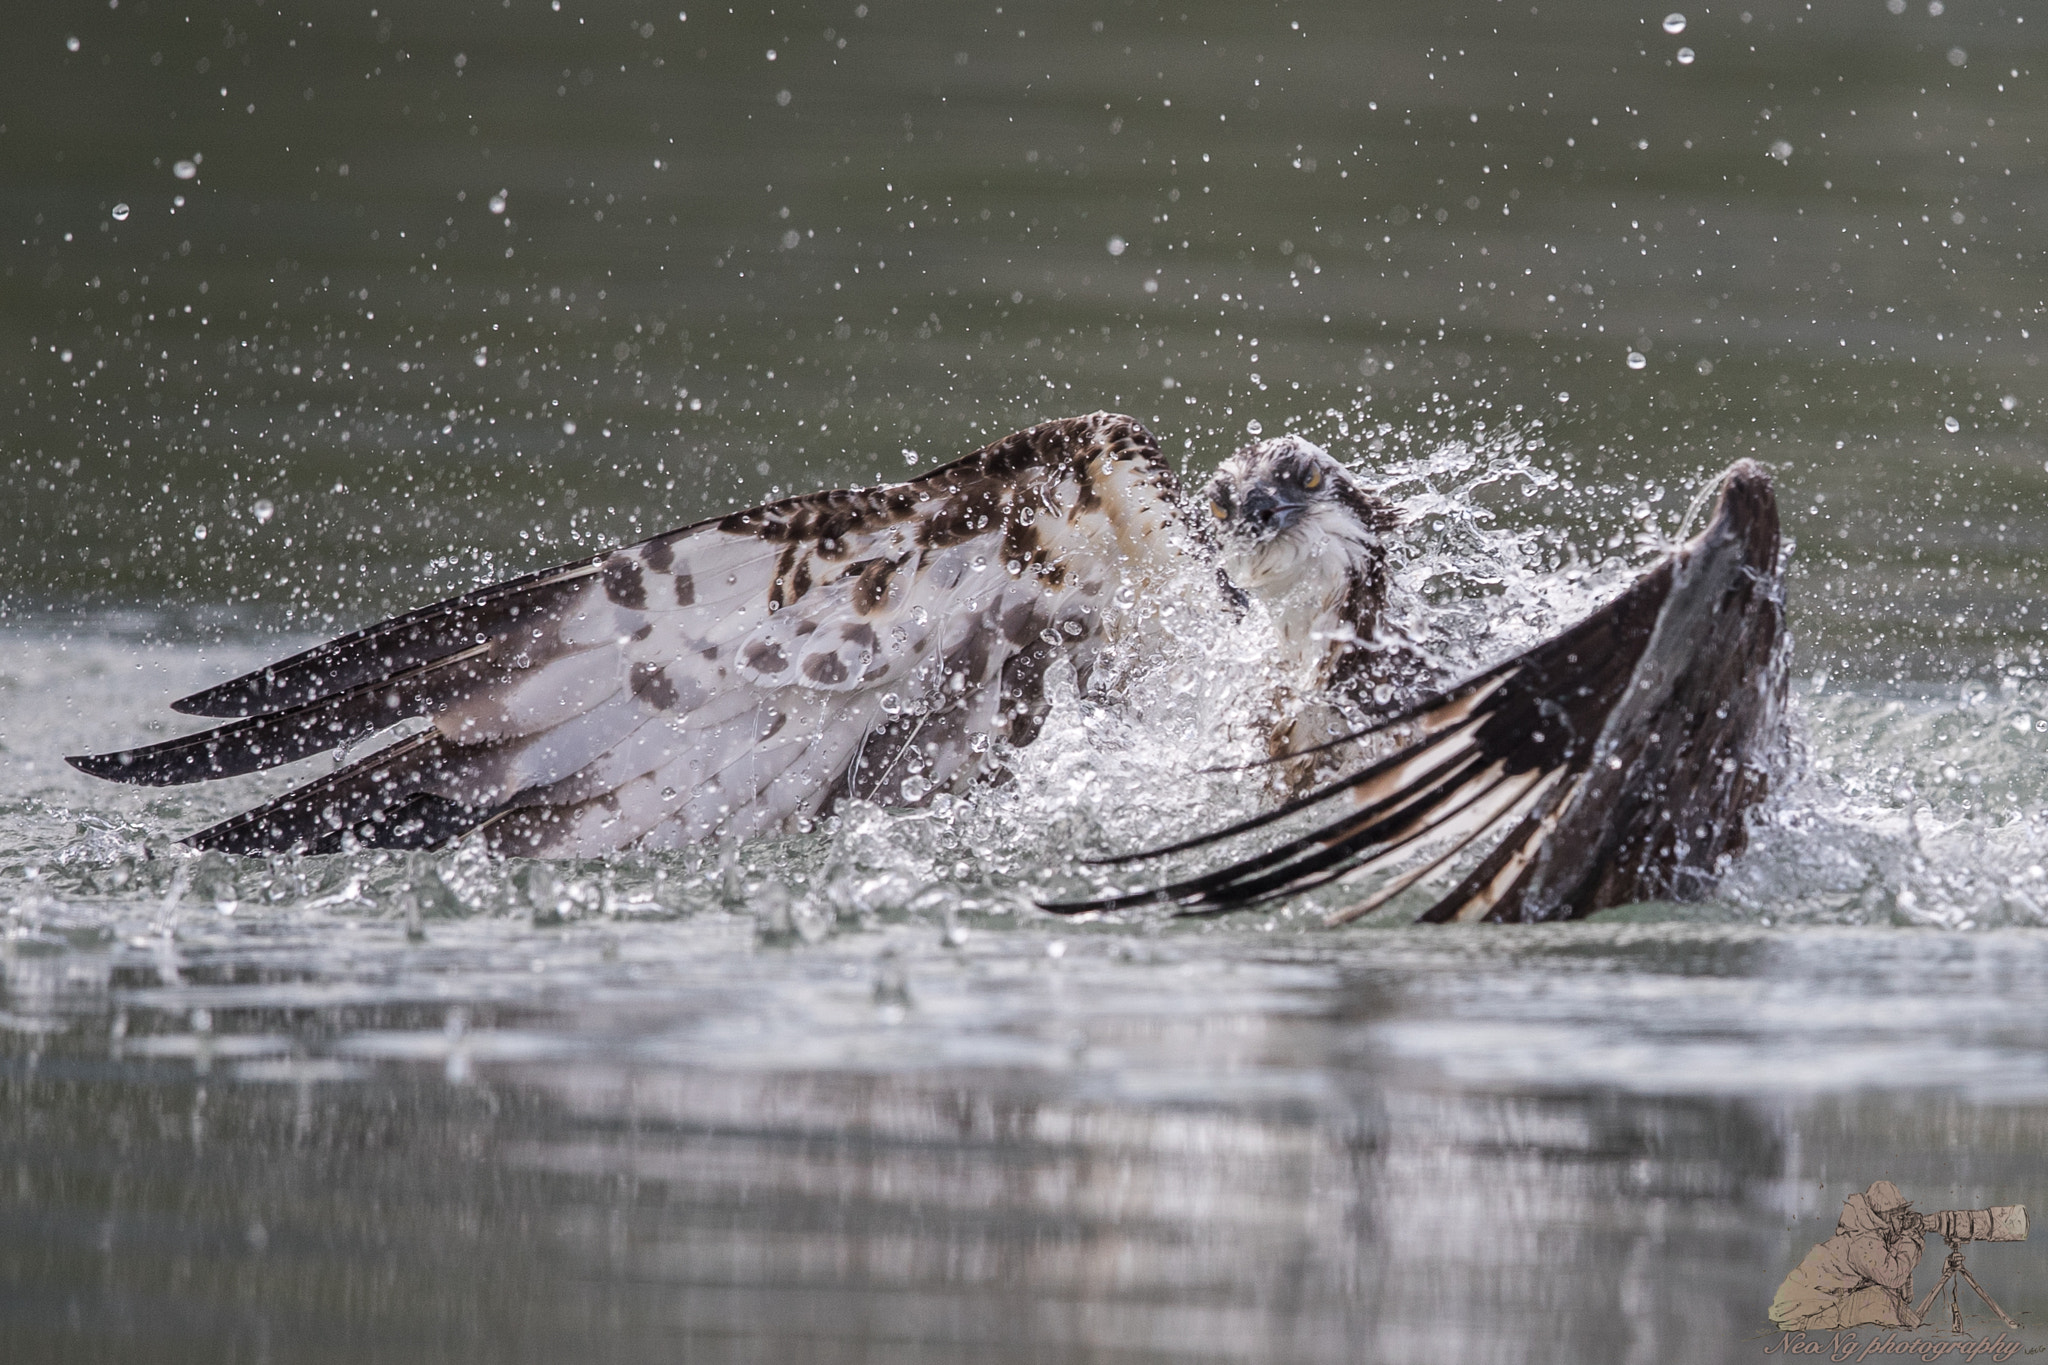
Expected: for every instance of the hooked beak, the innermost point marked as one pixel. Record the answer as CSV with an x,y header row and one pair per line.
x,y
1263,514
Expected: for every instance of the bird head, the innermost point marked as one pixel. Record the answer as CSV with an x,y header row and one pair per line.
x,y
1285,511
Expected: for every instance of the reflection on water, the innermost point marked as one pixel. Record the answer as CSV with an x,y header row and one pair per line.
x,y
1590,1144
848,1100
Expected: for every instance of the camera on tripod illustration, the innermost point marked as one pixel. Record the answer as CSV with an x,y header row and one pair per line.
x,y
2001,1223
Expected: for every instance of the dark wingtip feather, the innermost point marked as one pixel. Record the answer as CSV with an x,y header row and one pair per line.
x,y
113,767
251,745
230,700
419,821
1102,904
376,802
228,751
417,639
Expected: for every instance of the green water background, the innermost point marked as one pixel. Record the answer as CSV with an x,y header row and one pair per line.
x,y
757,249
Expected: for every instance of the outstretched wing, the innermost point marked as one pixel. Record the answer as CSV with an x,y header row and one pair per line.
x,y
1614,762
723,679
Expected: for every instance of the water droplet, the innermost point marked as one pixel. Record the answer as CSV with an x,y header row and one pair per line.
x,y
65,357
1674,23
910,457
120,213
1116,246
1956,56
771,54
1636,360
1895,6
1685,56
1781,151
782,98
199,533
569,427
264,509
1564,397
1253,426
498,202
1706,366
791,240
915,787
185,170
2009,402
1952,424
71,44
892,704
482,357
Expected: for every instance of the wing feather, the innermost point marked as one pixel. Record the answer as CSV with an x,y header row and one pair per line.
x,y
723,678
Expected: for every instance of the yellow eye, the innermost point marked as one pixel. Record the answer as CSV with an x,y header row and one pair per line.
x,y
1222,512
1312,480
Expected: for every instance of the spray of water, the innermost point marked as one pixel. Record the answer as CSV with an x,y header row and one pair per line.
x,y
1916,809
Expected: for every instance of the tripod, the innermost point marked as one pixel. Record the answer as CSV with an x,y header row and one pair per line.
x,y
1950,1273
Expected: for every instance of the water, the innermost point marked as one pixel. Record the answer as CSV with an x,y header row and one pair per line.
x,y
310,316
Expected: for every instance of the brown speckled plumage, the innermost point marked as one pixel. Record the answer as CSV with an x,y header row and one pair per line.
x,y
725,679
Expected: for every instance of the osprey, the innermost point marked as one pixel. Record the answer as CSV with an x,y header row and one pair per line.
x,y
746,674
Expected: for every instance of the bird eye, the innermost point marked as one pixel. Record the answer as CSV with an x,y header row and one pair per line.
x,y
1222,512
1312,480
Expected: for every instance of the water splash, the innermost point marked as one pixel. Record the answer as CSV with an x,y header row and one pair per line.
x,y
1900,809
